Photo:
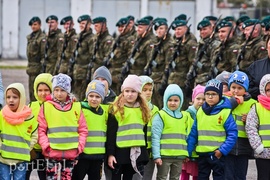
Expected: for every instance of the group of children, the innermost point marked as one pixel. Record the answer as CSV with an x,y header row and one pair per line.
x,y
219,132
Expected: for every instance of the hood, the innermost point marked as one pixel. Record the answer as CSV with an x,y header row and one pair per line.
x,y
264,81
21,90
45,78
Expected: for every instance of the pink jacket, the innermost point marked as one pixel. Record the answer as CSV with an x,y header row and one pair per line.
x,y
44,141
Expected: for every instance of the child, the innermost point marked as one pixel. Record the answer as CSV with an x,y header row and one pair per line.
x,y
191,167
62,128
18,133
257,129
42,88
214,132
224,79
127,129
236,165
90,161
147,91
169,131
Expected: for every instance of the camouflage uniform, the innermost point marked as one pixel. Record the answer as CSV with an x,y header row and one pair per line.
x,y
35,53
70,40
54,40
84,55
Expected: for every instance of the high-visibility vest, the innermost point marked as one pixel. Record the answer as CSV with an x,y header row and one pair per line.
x,y
63,126
97,127
130,129
35,106
237,115
211,132
264,127
16,139
149,125
173,138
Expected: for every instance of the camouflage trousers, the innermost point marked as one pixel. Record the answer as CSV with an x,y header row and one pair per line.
x,y
64,166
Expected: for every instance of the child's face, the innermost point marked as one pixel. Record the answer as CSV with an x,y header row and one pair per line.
x,y
267,89
173,103
211,97
94,99
199,100
147,91
60,94
225,87
42,91
12,100
130,95
237,90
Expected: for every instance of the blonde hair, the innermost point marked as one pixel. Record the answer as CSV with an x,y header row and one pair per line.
x,y
118,106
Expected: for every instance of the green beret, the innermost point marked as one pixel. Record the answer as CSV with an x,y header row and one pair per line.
x,y
265,21
250,22
34,19
51,17
142,22
84,18
267,27
223,24
178,23
229,18
99,20
203,23
66,19
122,21
131,17
181,17
159,23
210,18
150,18
160,19
241,19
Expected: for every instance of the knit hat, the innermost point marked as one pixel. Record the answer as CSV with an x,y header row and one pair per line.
x,y
103,72
239,78
132,81
224,77
63,81
146,80
214,85
197,90
264,81
97,87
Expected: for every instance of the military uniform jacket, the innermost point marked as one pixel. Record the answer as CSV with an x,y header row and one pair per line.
x,y
54,40
36,42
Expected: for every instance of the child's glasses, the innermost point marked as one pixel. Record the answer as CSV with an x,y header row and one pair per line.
x,y
208,95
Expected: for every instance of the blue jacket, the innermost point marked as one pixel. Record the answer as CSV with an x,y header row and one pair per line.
x,y
229,126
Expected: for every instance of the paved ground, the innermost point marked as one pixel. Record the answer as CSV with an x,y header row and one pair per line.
x,y
11,75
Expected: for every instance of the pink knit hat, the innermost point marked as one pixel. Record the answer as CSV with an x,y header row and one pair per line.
x,y
132,81
197,90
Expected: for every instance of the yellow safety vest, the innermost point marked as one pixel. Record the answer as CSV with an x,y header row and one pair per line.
x,y
149,125
16,139
173,138
63,126
264,127
237,115
97,127
211,132
35,106
130,129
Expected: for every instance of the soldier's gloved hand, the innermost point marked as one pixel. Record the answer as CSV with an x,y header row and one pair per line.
x,y
188,90
162,88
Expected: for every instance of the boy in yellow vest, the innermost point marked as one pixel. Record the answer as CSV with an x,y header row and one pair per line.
x,y
214,132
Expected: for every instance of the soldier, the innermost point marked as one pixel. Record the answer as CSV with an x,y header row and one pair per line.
x,y
184,54
83,54
35,53
103,42
132,25
264,22
213,20
53,49
68,45
230,19
240,30
254,45
150,19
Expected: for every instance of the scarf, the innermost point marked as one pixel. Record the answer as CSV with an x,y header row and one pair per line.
x,y
16,118
265,101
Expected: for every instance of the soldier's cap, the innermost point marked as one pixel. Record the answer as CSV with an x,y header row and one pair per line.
x,y
142,22
99,19
241,19
178,23
229,18
210,18
132,18
83,18
267,27
250,22
122,21
203,23
34,19
223,24
160,19
159,22
181,17
150,18
51,17
265,21
66,19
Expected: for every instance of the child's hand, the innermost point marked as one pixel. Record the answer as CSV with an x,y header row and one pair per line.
x,y
218,154
244,118
111,161
186,160
158,162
